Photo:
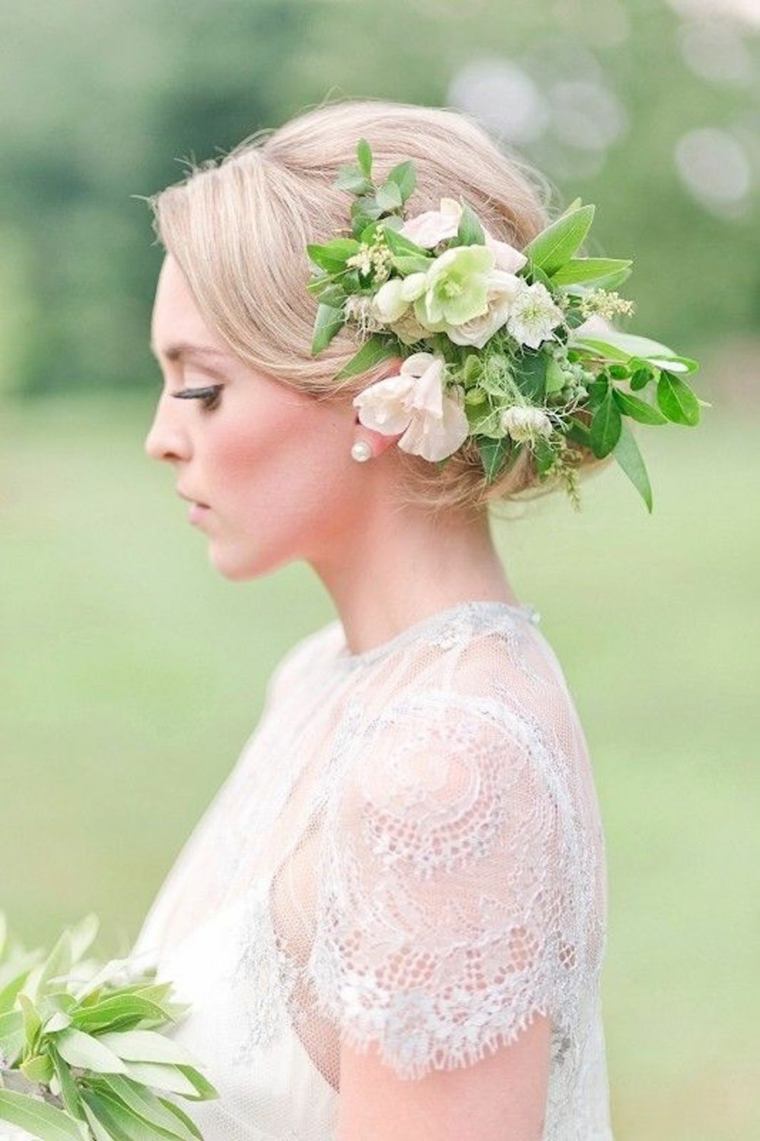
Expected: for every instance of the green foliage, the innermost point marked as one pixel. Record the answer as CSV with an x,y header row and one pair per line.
x,y
90,1053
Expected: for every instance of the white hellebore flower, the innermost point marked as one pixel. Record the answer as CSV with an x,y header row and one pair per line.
x,y
533,315
524,422
502,289
434,226
433,422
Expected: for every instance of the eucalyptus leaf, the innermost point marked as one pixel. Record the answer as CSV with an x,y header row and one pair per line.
x,y
628,456
147,1046
183,1117
556,244
160,1076
38,1117
80,1049
12,1036
116,1009
205,1089
147,1105
69,1091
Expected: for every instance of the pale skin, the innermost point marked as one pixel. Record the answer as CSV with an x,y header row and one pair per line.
x,y
273,466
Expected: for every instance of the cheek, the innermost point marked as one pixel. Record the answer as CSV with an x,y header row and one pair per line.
x,y
282,465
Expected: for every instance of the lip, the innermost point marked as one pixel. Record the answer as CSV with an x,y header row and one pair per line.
x,y
197,512
197,509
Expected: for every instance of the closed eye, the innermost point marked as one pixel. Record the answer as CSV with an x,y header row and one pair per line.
x,y
208,395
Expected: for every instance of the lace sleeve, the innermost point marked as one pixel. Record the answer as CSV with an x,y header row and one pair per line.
x,y
448,913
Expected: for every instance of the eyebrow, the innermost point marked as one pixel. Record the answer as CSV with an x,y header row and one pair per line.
x,y
183,349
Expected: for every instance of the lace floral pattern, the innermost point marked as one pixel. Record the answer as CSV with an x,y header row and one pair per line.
x,y
408,854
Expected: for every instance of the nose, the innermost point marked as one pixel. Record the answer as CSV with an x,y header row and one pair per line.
x,y
166,439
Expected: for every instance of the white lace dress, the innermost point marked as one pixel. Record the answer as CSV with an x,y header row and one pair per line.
x,y
408,852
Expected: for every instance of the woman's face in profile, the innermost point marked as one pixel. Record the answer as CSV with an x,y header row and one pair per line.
x,y
270,464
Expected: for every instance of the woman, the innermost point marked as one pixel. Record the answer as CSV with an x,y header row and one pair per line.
x,y
390,922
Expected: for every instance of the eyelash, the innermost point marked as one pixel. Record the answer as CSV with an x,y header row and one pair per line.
x,y
208,396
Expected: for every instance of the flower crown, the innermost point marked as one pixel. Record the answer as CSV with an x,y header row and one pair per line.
x,y
499,345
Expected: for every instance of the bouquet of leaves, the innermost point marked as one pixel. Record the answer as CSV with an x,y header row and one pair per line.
x,y
493,332
82,1055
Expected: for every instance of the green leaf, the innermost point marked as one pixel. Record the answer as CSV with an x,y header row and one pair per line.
x,y
364,157
328,322
628,456
83,935
183,1117
204,1087
470,231
120,1122
605,427
147,1105
352,179
38,1117
38,1068
492,455
69,1091
99,1131
579,433
403,246
638,409
12,1035
555,245
588,269
640,378
407,265
146,1046
405,178
80,1049
530,373
624,346
677,400
32,1020
374,350
117,1009
388,197
163,1077
331,256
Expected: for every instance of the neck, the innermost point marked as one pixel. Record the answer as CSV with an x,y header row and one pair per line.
x,y
400,564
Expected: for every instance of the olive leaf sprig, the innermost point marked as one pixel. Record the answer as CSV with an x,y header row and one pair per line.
x,y
569,387
82,1052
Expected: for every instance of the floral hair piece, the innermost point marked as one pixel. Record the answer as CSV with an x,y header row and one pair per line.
x,y
511,348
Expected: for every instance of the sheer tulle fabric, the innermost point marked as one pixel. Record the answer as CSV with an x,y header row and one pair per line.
x,y
408,852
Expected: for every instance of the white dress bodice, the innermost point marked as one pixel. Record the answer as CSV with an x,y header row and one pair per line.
x,y
408,852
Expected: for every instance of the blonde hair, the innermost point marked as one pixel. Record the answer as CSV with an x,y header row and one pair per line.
x,y
238,228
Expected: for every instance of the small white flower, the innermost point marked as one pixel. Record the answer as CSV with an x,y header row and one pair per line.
x,y
522,423
533,315
394,297
433,421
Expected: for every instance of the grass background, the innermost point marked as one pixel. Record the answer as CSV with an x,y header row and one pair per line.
x,y
132,675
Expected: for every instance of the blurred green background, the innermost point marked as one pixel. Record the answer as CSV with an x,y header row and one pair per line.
x,y
132,674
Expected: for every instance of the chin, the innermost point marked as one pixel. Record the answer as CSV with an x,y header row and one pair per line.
x,y
236,566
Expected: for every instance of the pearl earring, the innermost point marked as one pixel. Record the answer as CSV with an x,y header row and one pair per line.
x,y
361,451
